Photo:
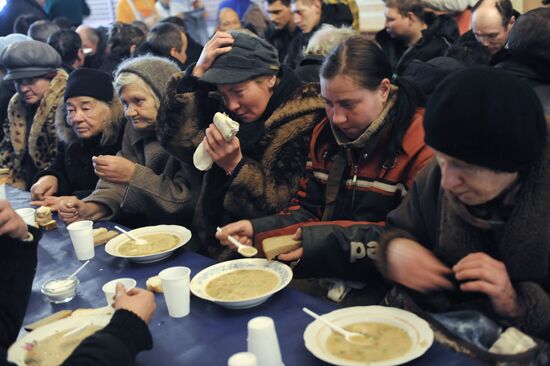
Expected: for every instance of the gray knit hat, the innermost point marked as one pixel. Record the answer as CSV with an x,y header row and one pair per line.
x,y
29,59
250,57
155,71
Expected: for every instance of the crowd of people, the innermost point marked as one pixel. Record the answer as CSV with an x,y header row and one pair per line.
x,y
410,163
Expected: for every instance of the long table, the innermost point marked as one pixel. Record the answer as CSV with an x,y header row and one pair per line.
x,y
210,334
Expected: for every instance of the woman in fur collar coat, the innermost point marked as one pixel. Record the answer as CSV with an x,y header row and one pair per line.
x,y
257,171
89,123
30,142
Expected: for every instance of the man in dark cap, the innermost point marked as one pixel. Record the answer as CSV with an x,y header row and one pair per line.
x,y
473,232
30,142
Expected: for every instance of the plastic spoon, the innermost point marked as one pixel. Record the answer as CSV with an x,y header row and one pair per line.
x,y
138,241
351,337
244,250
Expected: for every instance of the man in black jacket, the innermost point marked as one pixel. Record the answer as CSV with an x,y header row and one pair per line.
x,y
411,33
309,15
116,344
282,29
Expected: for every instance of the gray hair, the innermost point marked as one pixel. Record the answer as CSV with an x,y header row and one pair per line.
x,y
327,38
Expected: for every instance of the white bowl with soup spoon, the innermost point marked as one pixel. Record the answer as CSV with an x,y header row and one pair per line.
x,y
419,333
201,281
146,253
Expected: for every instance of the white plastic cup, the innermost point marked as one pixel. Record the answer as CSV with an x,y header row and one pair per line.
x,y
262,341
3,191
27,214
83,239
243,359
109,289
175,285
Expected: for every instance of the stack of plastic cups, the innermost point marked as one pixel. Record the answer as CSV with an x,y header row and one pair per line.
x,y
263,342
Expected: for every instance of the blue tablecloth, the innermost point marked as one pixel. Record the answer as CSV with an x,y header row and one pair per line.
x,y
210,333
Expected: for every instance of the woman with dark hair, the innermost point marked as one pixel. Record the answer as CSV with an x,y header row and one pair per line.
x,y
363,159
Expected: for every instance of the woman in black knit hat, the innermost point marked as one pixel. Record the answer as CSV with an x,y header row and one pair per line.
x,y
89,123
473,232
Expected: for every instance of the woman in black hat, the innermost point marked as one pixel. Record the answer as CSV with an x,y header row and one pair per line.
x,y
257,171
89,123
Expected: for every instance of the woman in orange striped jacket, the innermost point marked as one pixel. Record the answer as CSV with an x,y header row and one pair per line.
x,y
363,158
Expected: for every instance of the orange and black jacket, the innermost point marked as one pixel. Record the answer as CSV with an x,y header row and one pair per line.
x,y
367,190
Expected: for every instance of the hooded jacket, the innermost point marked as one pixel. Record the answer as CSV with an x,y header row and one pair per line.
x,y
73,166
273,158
30,140
442,31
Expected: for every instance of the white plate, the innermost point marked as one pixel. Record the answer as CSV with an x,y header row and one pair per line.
x,y
184,234
201,279
316,333
17,351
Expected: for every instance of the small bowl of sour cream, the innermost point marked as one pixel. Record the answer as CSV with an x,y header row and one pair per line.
x,y
60,290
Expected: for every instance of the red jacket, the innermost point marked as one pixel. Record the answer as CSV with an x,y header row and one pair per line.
x,y
367,192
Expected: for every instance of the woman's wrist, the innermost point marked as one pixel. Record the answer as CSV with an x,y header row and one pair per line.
x,y
231,169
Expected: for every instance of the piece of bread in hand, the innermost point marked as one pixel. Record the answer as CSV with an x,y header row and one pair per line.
x,y
154,284
44,219
276,245
102,235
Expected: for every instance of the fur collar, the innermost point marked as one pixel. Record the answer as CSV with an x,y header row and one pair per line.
x,y
525,236
111,131
41,131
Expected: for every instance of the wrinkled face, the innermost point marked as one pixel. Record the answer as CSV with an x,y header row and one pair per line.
x,y
87,116
248,100
397,25
306,17
279,14
488,29
229,20
32,90
350,107
471,184
140,107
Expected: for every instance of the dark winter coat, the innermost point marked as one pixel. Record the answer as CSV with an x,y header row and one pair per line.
x,y
436,40
280,39
73,166
273,158
15,8
427,217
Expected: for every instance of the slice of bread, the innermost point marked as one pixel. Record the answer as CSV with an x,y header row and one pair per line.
x,y
154,284
102,235
47,320
276,245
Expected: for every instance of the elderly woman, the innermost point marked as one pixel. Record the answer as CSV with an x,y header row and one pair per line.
x,y
142,179
256,172
30,142
89,123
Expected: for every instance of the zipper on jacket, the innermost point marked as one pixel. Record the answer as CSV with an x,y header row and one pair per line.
x,y
354,180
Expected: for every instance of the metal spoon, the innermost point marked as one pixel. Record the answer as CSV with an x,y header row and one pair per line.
x,y
351,337
244,250
137,240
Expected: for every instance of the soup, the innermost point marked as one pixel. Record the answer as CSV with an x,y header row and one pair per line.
x,y
242,284
156,243
384,343
53,350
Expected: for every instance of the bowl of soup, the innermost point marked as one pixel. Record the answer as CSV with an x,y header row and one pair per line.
x,y
394,336
241,283
161,242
